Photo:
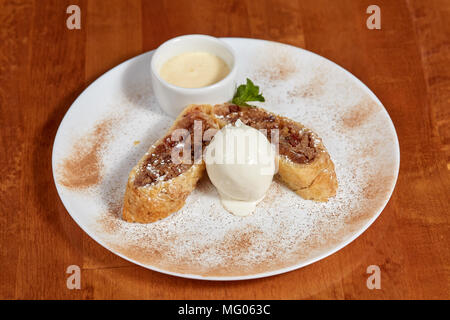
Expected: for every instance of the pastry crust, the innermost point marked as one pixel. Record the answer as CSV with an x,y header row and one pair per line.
x,y
315,180
156,201
312,181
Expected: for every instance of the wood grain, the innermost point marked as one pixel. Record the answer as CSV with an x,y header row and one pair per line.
x,y
44,67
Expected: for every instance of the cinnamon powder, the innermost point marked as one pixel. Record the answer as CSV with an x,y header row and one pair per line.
x,y
314,88
82,168
279,66
359,114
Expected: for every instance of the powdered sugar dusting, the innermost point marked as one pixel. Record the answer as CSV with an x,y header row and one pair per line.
x,y
203,239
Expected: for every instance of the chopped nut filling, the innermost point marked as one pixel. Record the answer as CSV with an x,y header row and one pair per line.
x,y
295,142
158,166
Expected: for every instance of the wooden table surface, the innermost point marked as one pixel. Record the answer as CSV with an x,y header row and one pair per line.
x,y
44,66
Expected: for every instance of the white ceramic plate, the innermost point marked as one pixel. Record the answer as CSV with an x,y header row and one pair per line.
x,y
115,120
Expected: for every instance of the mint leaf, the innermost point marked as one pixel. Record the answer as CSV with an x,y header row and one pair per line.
x,y
247,92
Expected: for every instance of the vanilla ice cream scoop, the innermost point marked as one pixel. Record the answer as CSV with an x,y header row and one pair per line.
x,y
240,162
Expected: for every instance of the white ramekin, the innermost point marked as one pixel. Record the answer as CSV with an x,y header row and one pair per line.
x,y
173,99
